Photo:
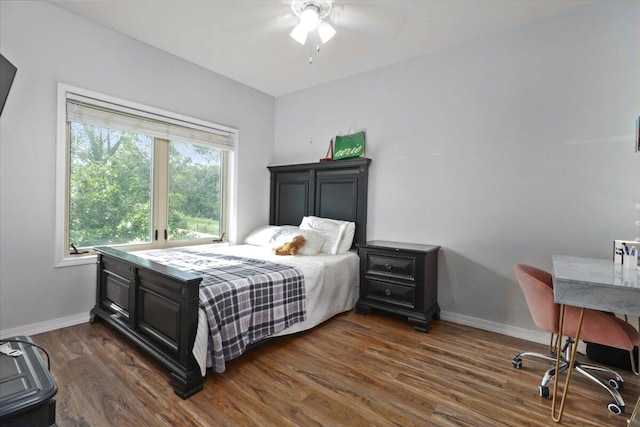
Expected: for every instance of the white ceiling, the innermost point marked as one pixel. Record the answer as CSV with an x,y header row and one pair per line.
x,y
248,40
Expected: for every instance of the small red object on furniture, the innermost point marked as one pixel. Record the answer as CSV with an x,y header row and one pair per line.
x,y
329,155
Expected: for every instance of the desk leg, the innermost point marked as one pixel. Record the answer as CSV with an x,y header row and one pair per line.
x,y
572,361
634,421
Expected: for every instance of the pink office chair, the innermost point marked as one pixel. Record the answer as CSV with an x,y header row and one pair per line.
x,y
597,327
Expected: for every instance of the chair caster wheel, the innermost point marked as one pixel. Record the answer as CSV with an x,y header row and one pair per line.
x,y
517,363
615,384
615,409
544,391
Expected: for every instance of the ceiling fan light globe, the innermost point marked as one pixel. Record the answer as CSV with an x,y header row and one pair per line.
x,y
326,32
310,18
299,34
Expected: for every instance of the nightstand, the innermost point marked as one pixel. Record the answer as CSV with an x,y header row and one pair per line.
x,y
400,278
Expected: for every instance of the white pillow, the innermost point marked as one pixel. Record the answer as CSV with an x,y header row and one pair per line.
x,y
347,238
313,240
261,236
283,234
334,232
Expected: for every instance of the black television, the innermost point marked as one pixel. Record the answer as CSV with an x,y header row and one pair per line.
x,y
7,73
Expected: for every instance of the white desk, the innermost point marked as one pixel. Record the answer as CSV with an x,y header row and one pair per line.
x,y
596,284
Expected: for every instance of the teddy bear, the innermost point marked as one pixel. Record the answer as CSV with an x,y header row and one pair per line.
x,y
290,248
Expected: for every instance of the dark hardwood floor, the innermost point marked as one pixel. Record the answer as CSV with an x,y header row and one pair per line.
x,y
352,370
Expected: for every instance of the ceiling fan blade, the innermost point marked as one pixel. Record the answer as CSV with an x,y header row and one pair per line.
x,y
267,15
370,19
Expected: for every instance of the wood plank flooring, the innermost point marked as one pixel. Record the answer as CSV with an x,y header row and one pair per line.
x,y
352,370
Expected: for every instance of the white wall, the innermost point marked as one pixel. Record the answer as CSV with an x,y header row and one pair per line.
x,y
49,45
508,149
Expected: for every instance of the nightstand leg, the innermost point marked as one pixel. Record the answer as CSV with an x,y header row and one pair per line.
x,y
419,325
362,309
424,324
435,310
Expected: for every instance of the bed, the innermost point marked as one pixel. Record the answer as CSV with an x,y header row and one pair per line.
x,y
157,305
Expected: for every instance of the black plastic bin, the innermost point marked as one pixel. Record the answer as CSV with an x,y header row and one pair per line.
x,y
27,389
610,356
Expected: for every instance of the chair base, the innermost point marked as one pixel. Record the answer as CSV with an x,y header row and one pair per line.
x,y
613,384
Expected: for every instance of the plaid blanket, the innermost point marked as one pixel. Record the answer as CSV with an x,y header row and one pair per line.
x,y
245,299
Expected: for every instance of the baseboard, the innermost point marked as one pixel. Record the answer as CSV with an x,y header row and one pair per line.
x,y
50,325
511,331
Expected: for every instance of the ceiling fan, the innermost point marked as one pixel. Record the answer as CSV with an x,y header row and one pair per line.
x,y
312,15
313,23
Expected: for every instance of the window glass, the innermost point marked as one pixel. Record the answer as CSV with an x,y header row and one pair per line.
x,y
195,191
110,186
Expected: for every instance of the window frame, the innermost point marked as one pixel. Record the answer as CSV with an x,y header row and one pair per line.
x,y
228,179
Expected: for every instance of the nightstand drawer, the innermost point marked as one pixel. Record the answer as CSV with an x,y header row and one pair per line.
x,y
391,293
400,266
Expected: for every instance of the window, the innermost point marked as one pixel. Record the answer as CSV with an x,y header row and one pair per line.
x,y
135,177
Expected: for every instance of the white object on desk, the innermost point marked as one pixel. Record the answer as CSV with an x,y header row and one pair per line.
x,y
631,260
620,248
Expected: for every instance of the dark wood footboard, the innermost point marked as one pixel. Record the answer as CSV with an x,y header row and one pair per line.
x,y
156,307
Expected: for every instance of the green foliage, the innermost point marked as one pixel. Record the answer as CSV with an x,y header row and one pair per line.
x,y
194,189
110,193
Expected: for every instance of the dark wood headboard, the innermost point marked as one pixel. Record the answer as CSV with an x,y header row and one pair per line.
x,y
336,190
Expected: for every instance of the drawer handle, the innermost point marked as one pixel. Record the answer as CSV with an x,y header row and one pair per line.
x,y
388,266
387,292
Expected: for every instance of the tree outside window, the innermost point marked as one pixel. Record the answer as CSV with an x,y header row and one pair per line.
x,y
111,189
